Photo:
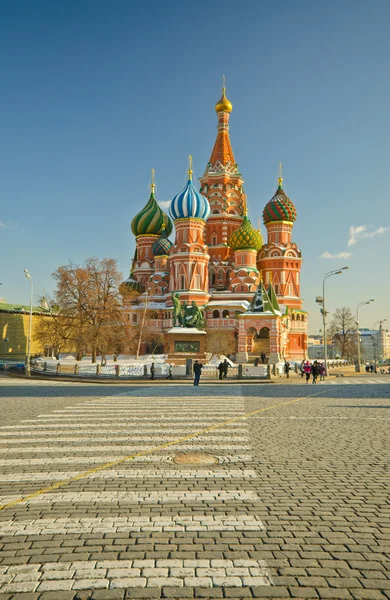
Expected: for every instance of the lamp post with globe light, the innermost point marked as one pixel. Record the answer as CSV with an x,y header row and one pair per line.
x,y
321,300
357,331
28,370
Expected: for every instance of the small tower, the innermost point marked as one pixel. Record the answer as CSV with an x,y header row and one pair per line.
x,y
280,260
188,257
147,226
245,243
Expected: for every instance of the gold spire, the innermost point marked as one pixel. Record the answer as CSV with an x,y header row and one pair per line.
x,y
223,103
152,185
280,178
190,167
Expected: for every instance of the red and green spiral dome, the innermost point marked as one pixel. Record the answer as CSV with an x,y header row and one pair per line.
x,y
280,207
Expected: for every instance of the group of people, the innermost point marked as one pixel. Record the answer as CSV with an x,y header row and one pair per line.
x,y
314,370
223,369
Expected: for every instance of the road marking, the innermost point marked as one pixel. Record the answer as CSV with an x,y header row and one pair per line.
x,y
131,473
59,484
72,525
159,497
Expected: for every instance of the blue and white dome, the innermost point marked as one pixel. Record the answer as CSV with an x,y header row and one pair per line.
x,y
190,204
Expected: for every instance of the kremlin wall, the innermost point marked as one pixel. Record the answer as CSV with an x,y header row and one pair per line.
x,y
244,286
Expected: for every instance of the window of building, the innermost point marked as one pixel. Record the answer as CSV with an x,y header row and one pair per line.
x,y
225,314
134,318
181,282
214,239
215,314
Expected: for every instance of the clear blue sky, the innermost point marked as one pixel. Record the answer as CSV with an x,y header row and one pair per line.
x,y
96,93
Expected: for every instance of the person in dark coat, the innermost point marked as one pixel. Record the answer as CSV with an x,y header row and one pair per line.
x,y
225,368
220,369
197,372
315,371
152,370
263,357
287,369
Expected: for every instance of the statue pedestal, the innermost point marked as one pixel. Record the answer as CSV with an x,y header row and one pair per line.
x,y
184,343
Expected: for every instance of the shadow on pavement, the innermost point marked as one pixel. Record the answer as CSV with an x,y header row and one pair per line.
x,y
34,390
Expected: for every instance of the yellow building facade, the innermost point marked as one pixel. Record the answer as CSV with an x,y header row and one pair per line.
x,y
14,322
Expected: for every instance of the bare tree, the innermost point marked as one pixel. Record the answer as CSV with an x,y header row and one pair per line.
x,y
342,329
89,300
220,342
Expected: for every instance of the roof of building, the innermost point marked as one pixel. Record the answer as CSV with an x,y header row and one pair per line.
x,y
151,218
280,207
189,203
22,308
246,237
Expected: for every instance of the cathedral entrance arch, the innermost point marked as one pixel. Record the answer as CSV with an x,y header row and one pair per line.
x,y
258,341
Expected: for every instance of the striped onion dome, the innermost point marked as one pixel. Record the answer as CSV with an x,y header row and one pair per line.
x,y
246,237
130,287
150,219
189,204
162,246
280,207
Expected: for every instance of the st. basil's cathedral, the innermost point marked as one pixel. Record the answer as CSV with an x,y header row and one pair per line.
x,y
219,262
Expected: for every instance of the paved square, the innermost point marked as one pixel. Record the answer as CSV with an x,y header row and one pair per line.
x,y
296,506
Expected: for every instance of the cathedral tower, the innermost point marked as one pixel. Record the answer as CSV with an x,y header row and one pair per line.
x,y
222,184
280,260
147,226
188,258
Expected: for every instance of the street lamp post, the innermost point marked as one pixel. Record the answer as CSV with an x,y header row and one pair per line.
x,y
357,331
28,370
323,310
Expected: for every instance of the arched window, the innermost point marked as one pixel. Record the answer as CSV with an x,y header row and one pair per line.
x,y
214,239
212,278
225,314
220,275
215,314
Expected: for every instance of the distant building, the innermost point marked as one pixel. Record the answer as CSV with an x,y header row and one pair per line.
x,y
375,344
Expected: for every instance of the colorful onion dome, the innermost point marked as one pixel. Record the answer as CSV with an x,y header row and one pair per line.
x,y
246,237
190,204
223,103
280,207
130,287
162,246
150,219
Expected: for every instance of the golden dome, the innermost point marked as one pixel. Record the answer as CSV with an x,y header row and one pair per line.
x,y
224,104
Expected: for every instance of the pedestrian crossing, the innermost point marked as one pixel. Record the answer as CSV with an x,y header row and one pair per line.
x,y
356,381
146,522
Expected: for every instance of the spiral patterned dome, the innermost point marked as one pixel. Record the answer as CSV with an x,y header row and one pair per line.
x,y
246,237
189,204
280,207
162,246
150,219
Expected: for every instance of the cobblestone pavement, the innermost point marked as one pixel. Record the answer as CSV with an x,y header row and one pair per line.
x,y
296,506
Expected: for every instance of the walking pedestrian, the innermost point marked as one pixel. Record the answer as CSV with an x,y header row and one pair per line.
x,y
225,368
287,369
170,372
220,369
197,372
307,370
314,371
302,368
152,370
322,371
263,357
